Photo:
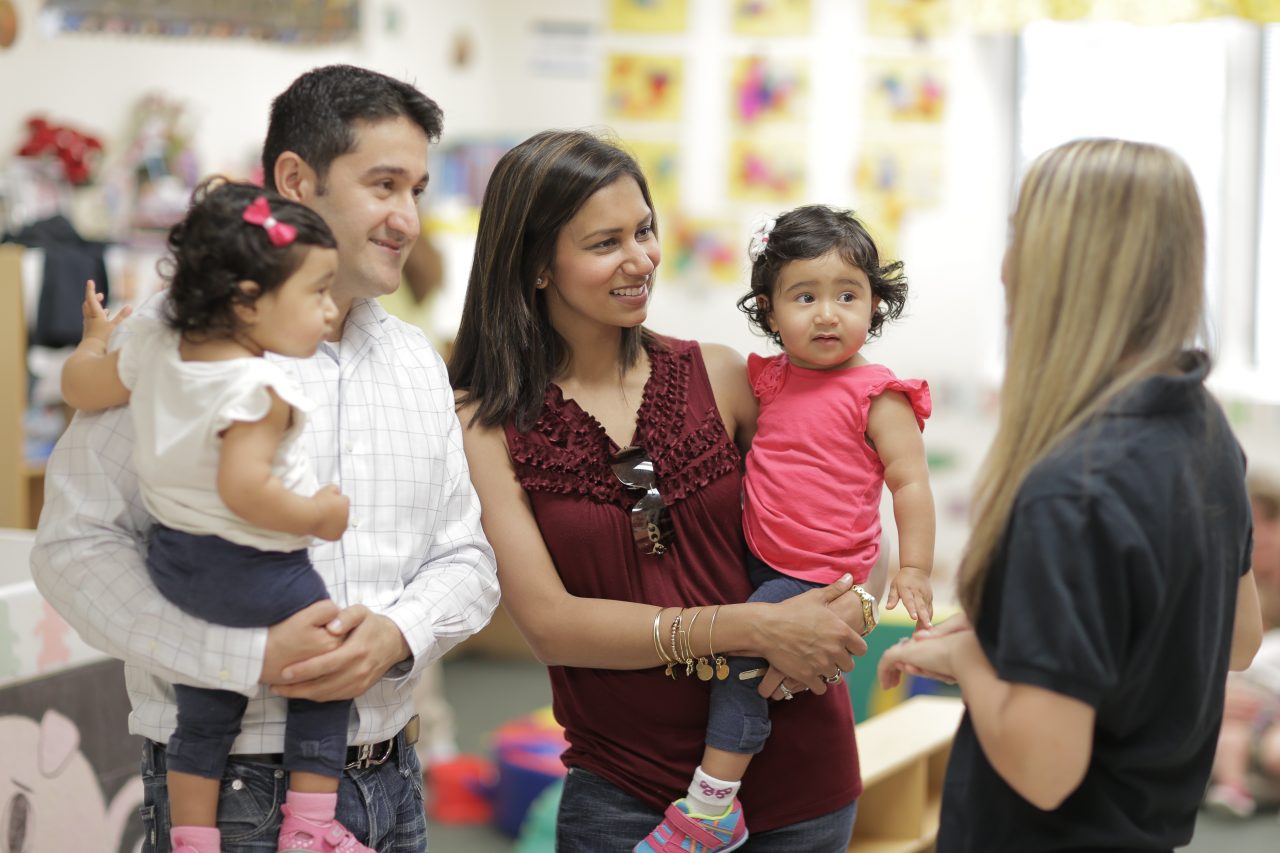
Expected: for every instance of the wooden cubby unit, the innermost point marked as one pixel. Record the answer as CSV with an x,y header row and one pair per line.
x,y
21,482
903,753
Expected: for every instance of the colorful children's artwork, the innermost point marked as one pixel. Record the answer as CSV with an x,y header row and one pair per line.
x,y
286,21
917,19
909,173
1012,15
770,169
905,89
643,87
648,16
702,251
768,90
772,17
661,166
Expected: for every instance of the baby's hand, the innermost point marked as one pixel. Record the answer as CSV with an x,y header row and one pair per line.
x,y
911,586
97,324
334,508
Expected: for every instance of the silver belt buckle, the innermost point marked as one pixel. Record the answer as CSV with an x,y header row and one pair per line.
x,y
365,757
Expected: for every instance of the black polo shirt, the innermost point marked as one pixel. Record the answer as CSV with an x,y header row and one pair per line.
x,y
1116,585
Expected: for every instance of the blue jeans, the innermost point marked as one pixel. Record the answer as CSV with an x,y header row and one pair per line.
x,y
382,806
596,816
738,719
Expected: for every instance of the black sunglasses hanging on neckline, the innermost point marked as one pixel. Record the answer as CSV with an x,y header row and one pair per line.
x,y
651,526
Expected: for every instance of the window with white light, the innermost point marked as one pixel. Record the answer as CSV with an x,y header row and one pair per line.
x,y
1195,88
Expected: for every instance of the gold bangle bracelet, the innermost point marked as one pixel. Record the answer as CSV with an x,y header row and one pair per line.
x,y
657,642
675,632
688,643
721,665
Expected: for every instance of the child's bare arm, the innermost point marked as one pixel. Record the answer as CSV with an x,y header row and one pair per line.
x,y
892,427
90,377
248,487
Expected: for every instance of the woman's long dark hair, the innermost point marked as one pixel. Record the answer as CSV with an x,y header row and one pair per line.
x,y
506,352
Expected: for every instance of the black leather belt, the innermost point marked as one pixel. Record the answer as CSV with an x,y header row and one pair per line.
x,y
360,756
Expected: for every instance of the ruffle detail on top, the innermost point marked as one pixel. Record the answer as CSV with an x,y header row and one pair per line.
x,y
917,391
567,451
251,400
767,375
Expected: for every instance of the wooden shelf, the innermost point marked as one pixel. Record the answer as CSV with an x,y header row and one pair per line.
x,y
903,754
15,475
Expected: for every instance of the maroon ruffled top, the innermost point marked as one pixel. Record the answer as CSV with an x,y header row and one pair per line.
x,y
637,728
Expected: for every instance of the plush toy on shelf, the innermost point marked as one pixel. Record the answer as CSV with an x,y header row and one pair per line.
x,y
79,153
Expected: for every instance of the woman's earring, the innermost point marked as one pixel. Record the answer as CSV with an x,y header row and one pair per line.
x,y
539,284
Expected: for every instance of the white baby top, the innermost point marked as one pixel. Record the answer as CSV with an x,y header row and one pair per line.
x,y
179,410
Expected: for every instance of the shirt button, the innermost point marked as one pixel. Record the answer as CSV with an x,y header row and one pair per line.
x,y
355,522
224,675
349,446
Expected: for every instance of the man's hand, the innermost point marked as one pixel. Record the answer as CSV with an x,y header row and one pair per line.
x,y
371,644
303,635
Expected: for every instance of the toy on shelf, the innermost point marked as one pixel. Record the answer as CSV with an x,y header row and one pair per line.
x,y
78,153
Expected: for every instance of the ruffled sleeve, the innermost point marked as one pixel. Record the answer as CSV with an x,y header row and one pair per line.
x,y
250,401
767,375
916,390
143,338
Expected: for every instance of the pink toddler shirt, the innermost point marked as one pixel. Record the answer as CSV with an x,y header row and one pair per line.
x,y
813,483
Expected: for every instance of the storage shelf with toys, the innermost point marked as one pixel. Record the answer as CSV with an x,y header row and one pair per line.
x,y
903,753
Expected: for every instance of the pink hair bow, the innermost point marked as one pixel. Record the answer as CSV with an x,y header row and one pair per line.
x,y
259,213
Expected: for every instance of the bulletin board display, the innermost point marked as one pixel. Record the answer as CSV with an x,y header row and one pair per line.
x,y
295,21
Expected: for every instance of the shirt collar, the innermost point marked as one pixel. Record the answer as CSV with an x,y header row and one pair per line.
x,y
363,327
1166,391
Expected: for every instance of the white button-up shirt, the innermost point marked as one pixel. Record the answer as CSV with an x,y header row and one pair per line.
x,y
384,430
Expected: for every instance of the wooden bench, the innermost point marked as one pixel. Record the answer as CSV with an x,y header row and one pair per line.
x,y
903,753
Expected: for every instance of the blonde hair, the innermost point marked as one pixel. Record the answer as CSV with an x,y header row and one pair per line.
x,y
1105,285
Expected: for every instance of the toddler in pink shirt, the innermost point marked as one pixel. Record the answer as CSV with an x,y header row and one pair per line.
x,y
834,429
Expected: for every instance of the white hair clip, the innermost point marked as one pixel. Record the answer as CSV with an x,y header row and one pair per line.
x,y
760,239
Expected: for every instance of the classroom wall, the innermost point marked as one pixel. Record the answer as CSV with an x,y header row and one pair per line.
x,y
952,330
93,81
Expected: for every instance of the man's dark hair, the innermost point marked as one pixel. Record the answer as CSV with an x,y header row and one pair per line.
x,y
316,116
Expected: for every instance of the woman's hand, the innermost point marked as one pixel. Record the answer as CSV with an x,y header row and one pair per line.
x,y
808,639
928,653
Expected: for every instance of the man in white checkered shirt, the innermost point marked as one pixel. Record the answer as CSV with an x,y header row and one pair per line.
x,y
412,576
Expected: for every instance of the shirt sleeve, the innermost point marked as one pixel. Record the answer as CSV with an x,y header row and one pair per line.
x,y
455,590
136,340
1070,585
89,564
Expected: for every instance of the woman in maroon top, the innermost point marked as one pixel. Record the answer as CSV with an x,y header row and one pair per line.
x,y
614,563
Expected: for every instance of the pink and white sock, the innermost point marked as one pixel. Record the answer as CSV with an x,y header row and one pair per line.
x,y
317,808
709,795
201,839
